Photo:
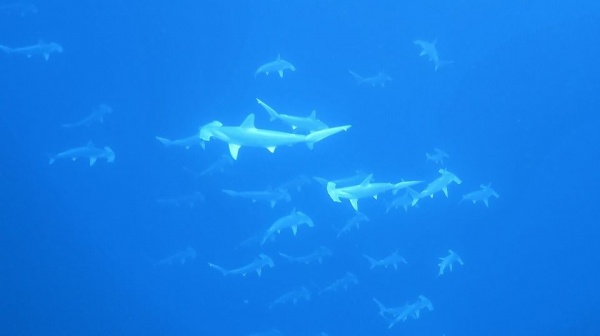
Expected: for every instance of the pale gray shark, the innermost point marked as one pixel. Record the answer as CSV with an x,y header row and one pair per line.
x,y
438,156
41,48
97,116
439,184
412,310
391,313
391,260
307,124
404,200
344,181
292,297
291,221
342,283
364,190
89,152
296,183
189,200
378,80
256,265
270,195
249,136
180,257
317,255
429,49
448,261
186,143
277,65
218,166
21,8
481,195
353,222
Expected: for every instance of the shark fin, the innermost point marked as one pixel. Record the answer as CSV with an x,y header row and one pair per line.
x,y
294,229
273,202
93,160
248,122
485,201
234,149
272,149
280,73
445,190
354,203
367,180
294,127
259,271
90,144
313,114
375,196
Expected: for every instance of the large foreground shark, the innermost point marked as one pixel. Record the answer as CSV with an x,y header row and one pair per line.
x,y
364,190
306,124
278,65
255,266
89,152
97,116
247,135
41,48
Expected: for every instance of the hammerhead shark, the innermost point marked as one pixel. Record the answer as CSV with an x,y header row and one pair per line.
x,y
307,124
247,135
378,80
41,48
97,115
291,221
255,266
89,152
278,65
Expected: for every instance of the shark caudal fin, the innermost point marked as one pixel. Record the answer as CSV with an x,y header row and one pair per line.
x,y
372,261
272,113
356,76
164,141
219,268
110,155
6,49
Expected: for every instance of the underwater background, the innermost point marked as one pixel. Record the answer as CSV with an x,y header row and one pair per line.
x,y
97,249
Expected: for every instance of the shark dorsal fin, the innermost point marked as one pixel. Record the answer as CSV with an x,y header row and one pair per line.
x,y
278,57
313,114
89,144
366,180
248,122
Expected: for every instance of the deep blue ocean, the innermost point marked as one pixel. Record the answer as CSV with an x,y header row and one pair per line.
x,y
125,247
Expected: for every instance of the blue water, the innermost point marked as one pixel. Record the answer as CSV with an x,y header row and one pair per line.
x,y
518,108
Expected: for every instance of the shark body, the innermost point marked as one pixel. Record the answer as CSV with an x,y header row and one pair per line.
x,y
180,257
41,48
430,50
278,65
353,222
186,143
291,221
271,196
391,260
439,184
481,195
378,80
448,261
364,190
89,152
437,156
292,297
97,116
317,255
307,124
342,283
247,135
256,265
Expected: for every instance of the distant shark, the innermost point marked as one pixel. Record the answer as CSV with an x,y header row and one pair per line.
x,y
190,200
317,255
247,135
405,200
341,283
255,266
179,258
291,221
378,80
97,116
307,124
410,310
89,152
481,195
41,48
448,261
392,260
353,222
292,297
429,49
186,143
272,196
438,156
364,190
278,65
439,184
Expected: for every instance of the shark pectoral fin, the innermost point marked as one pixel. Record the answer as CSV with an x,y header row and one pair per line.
x,y
375,196
294,127
187,147
294,229
259,271
280,73
310,145
450,266
93,160
354,203
485,201
273,203
272,149
445,190
46,56
234,149
73,159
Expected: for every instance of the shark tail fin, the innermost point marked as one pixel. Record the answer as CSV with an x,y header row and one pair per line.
x,y
272,113
51,160
358,78
382,309
372,261
6,49
218,268
110,155
164,141
319,135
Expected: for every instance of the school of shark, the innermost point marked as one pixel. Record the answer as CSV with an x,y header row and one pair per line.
x,y
266,131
